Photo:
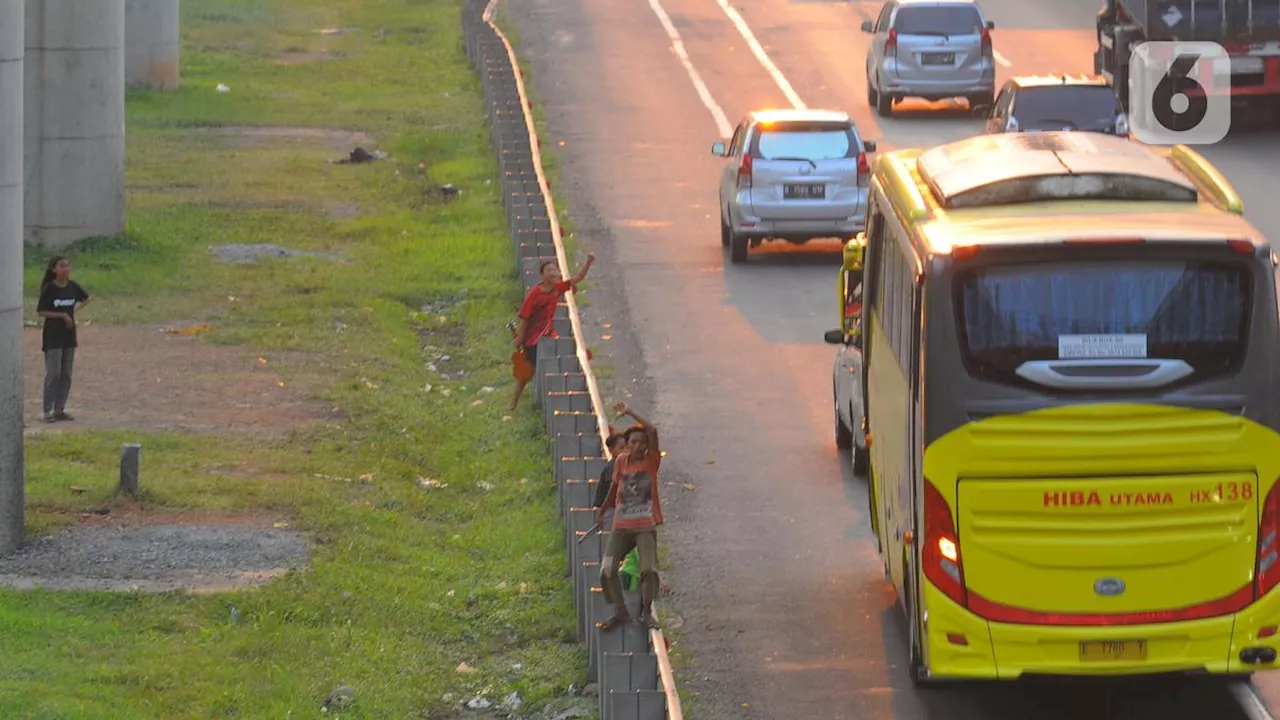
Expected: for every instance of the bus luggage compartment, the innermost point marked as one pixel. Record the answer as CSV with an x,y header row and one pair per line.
x,y
1110,550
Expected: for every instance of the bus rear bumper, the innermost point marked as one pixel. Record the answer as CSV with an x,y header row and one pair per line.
x,y
962,645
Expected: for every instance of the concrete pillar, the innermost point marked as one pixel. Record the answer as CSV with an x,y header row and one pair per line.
x,y
12,474
74,120
152,39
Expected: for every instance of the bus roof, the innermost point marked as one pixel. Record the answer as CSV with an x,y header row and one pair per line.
x,y
1045,187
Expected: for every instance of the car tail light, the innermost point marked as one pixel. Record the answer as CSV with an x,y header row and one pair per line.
x,y
988,49
891,44
864,165
1241,247
744,173
941,551
1268,550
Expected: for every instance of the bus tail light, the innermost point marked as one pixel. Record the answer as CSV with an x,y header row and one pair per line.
x,y
1268,570
941,550
744,173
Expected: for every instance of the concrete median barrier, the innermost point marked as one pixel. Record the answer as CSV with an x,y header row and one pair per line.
x,y
631,663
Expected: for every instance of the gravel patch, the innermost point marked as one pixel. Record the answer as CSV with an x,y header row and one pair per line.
x,y
199,558
252,253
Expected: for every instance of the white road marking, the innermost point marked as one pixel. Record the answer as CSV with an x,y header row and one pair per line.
x,y
1250,703
758,50
677,46
1000,58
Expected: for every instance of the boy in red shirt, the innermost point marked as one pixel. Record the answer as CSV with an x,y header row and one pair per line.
x,y
537,316
637,513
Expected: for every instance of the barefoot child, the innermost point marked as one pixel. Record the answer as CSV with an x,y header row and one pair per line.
x,y
537,316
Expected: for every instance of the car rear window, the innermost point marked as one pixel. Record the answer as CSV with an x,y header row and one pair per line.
x,y
805,142
1067,103
938,20
1193,311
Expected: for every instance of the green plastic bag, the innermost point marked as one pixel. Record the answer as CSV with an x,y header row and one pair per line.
x,y
631,570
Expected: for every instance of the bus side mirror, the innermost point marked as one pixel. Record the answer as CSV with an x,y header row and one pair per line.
x,y
834,337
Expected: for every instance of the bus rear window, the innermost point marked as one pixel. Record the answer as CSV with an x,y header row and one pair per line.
x,y
1197,312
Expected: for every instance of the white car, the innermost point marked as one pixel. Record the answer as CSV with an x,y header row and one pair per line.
x,y
846,397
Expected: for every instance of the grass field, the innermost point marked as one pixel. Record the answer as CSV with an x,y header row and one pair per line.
x,y
406,583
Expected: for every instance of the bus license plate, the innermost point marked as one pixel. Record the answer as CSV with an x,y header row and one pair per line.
x,y
804,191
1114,651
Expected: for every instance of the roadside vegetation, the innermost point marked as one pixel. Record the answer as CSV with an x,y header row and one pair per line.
x,y
436,575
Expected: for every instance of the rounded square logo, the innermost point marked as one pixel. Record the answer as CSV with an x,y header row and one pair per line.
x,y
1179,92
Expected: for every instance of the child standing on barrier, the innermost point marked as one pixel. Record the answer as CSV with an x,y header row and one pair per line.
x,y
637,514
537,315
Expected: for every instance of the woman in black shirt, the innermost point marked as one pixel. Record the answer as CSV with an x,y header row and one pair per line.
x,y
59,298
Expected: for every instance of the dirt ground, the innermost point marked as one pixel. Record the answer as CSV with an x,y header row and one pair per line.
x,y
144,378
158,378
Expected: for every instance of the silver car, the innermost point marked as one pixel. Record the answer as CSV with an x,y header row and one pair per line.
x,y
931,49
794,175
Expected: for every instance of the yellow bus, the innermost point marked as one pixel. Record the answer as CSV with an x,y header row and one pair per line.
x,y
1071,409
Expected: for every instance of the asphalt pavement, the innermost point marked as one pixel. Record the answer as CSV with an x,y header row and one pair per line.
x,y
779,592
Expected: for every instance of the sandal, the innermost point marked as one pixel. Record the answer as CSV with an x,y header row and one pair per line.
x,y
650,621
615,620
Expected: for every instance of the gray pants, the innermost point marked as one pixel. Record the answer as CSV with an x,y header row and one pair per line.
x,y
58,365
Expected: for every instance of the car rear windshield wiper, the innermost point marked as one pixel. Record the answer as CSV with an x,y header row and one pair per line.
x,y
797,159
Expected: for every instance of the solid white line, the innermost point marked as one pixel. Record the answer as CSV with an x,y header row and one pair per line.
x,y
1250,703
761,55
1001,59
677,46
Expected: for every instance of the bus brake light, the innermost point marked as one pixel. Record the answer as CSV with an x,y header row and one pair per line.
x,y
1268,570
941,550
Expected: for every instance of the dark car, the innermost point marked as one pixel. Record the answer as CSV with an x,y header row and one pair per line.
x,y
1057,102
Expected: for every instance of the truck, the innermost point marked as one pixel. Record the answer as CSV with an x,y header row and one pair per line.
x,y
1249,30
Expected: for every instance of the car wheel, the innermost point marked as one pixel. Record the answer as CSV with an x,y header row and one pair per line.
x,y
844,435
884,104
861,458
872,98
737,248
979,104
726,233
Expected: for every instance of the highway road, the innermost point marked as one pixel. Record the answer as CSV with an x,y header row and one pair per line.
x,y
777,587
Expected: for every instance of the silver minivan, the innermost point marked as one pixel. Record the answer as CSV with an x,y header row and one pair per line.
x,y
931,49
793,175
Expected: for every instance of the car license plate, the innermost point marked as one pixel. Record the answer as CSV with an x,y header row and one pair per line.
x,y
937,58
1246,65
804,191
1239,65
1114,651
